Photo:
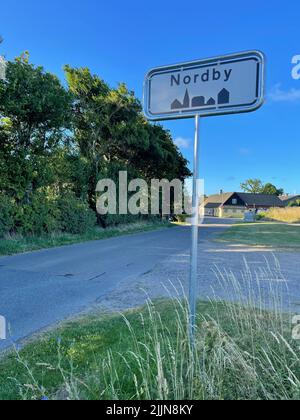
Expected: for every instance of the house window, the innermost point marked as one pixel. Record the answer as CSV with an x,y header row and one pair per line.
x,y
234,201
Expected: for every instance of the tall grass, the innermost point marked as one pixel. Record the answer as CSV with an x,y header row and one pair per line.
x,y
244,350
288,214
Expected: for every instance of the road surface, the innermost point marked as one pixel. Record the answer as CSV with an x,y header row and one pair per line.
x,y
39,289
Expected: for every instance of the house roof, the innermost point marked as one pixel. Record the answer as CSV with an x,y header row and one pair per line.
x,y
217,200
259,200
289,198
268,200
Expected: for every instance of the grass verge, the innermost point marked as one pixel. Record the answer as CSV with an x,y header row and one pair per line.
x,y
241,353
18,244
275,235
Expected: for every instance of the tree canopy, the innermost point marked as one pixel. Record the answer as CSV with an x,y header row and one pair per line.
x,y
58,139
256,186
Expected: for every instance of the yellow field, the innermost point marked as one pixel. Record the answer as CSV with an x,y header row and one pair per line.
x,y
289,214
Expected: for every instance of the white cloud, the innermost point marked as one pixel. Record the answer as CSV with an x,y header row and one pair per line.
x,y
279,95
182,142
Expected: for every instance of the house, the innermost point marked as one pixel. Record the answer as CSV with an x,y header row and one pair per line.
x,y
235,204
198,101
224,97
289,199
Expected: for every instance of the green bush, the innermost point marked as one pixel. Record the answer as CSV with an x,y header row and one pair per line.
x,y
182,218
7,215
43,215
260,216
295,203
38,217
75,215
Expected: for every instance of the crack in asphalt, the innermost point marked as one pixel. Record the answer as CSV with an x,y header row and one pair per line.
x,y
97,277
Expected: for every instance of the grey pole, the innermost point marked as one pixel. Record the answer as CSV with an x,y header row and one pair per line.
x,y
195,234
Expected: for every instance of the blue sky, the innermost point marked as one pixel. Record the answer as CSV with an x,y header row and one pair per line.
x,y
121,40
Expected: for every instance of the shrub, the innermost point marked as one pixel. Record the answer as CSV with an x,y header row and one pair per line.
x,y
38,217
7,215
260,216
44,215
295,203
75,215
182,218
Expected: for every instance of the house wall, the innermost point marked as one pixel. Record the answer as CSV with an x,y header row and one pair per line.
x,y
232,212
209,212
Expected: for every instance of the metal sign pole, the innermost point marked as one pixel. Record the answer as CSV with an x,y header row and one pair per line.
x,y
222,85
195,234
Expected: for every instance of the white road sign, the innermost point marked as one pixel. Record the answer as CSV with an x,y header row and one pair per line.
x,y
222,85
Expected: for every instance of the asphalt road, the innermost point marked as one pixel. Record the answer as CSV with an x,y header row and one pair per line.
x,y
41,288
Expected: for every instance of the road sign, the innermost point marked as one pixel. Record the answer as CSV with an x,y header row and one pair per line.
x,y
222,85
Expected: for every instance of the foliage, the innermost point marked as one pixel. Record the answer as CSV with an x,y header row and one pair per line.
x,y
57,143
38,216
182,218
260,216
253,186
36,112
112,134
273,190
75,215
256,186
295,203
43,215
7,215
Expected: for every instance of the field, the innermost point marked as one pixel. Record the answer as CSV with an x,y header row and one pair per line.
x,y
275,235
288,214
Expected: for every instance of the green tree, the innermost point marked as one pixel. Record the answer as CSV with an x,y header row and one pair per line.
x,y
101,117
272,189
253,186
35,113
113,135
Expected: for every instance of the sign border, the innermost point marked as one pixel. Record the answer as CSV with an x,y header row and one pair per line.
x,y
233,109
